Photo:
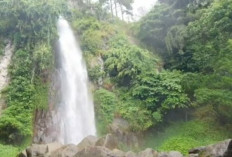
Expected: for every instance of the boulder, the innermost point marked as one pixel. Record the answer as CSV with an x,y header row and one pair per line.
x,y
40,150
175,154
54,146
100,141
65,151
23,154
196,150
110,142
170,154
120,129
119,125
228,152
88,141
130,154
37,150
221,149
193,155
148,153
117,152
96,151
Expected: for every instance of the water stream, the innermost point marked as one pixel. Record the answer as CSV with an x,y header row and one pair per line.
x,y
76,108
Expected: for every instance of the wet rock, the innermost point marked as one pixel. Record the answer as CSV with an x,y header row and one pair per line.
x,y
119,125
221,149
130,154
196,150
170,154
46,128
88,141
120,129
97,151
110,142
4,77
228,152
117,152
53,147
148,153
37,150
88,148
23,154
65,151
193,155
100,141
175,154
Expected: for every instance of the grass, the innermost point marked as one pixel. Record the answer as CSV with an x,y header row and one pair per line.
x,y
2,46
182,136
8,151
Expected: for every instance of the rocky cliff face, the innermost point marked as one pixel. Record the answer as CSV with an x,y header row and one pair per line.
x,y
4,77
108,147
45,125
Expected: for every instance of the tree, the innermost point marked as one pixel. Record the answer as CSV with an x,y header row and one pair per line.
x,y
125,6
160,92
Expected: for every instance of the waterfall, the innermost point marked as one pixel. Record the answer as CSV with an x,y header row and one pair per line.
x,y
75,108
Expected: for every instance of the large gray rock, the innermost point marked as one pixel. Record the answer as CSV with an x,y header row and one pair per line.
x,y
88,141
96,151
221,149
117,152
37,150
228,152
53,146
196,150
110,142
170,154
40,150
193,155
23,154
65,151
148,153
100,141
131,154
120,129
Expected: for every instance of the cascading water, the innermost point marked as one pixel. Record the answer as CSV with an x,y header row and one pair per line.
x,y
76,108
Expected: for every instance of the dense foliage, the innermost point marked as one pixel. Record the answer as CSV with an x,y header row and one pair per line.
x,y
32,27
184,136
130,73
195,38
180,67
105,106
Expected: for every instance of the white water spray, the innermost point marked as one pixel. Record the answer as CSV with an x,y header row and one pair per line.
x,y
76,108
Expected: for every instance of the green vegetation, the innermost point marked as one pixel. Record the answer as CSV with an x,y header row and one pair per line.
x,y
193,38
105,105
182,62
2,46
201,47
31,25
183,136
8,151
138,86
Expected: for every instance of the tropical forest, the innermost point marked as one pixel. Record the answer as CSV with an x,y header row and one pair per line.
x,y
115,78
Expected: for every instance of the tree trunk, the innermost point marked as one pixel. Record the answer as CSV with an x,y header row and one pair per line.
x,y
111,8
121,11
115,6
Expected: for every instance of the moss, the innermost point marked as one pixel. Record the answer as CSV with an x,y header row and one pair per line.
x,y
183,136
8,151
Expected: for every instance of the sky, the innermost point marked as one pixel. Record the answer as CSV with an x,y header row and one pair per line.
x,y
141,7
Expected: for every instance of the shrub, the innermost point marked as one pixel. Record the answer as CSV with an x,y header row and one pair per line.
x,y
106,104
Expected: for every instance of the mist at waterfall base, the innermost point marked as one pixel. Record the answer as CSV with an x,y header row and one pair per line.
x,y
76,109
